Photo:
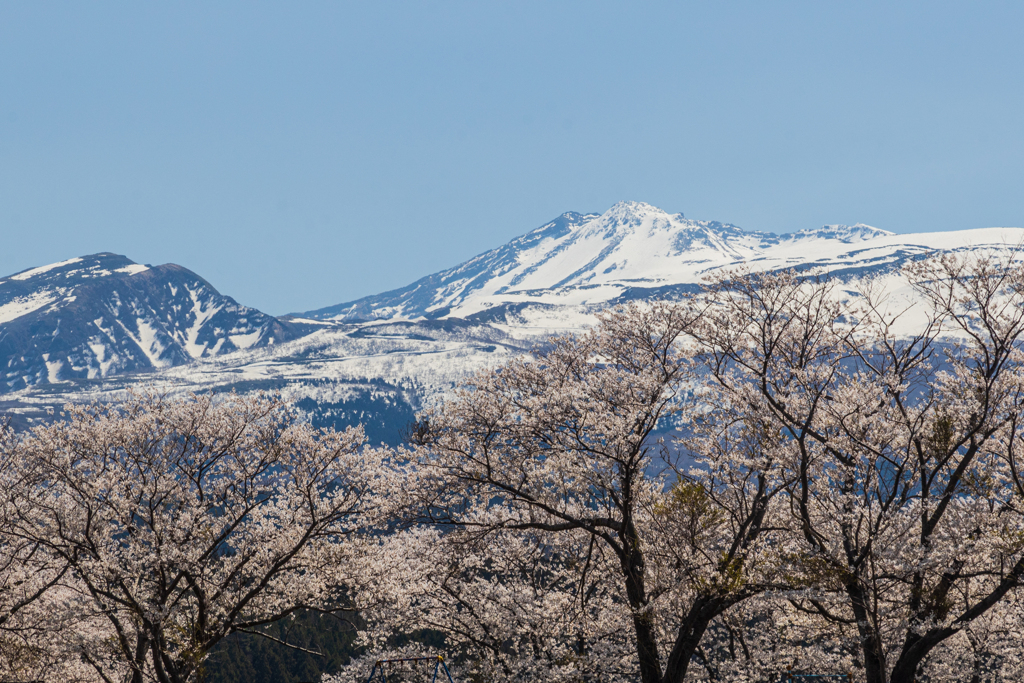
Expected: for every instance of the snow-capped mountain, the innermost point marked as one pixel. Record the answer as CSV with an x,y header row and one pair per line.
x,y
99,315
90,328
636,251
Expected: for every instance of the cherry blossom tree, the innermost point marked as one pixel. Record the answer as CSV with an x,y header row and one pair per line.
x,y
988,649
769,474
856,480
564,444
904,447
29,578
178,522
510,605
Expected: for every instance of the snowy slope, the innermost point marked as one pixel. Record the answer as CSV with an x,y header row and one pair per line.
x,y
98,315
635,250
426,297
377,374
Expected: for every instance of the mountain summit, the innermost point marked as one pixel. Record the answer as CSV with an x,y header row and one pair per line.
x,y
632,244
103,314
632,250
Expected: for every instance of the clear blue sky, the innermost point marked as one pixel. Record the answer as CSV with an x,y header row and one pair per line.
x,y
301,154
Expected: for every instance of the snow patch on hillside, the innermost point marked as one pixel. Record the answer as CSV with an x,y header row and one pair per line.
x,y
244,341
99,351
201,313
25,275
26,304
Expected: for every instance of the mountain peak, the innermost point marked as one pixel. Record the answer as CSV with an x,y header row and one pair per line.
x,y
631,212
103,264
92,316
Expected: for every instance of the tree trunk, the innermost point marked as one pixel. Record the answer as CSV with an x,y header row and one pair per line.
x,y
139,661
647,648
915,649
632,561
905,670
870,640
696,622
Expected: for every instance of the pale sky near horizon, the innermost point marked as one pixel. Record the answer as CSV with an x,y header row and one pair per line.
x,y
299,155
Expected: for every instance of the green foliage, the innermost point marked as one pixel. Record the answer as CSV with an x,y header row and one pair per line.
x,y
247,658
691,511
